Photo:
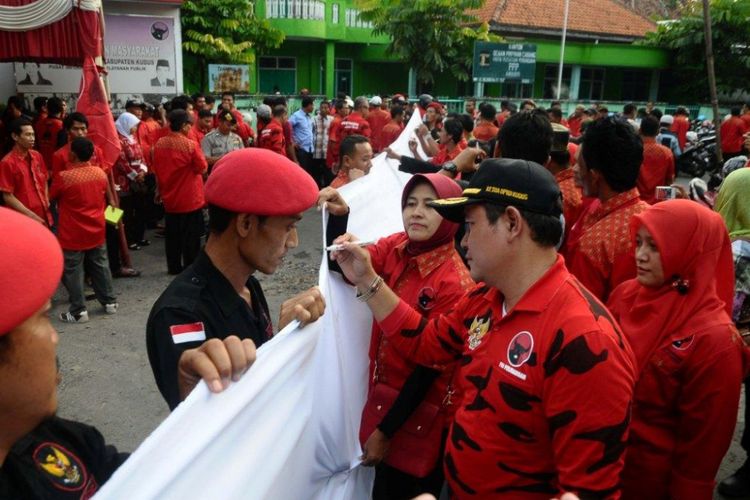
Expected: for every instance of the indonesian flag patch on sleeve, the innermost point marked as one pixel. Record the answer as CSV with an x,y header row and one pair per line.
x,y
191,332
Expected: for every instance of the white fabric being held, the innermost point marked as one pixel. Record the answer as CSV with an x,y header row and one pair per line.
x,y
289,428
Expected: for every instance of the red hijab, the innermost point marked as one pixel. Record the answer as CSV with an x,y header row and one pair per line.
x,y
444,187
696,257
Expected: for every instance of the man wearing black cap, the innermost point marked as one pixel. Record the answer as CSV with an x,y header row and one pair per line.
x,y
547,378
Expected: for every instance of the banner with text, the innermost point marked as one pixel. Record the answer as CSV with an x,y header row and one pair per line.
x,y
500,62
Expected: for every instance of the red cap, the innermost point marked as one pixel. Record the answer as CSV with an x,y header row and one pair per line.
x,y
31,265
261,182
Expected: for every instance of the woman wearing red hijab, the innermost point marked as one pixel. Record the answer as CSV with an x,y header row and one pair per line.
x,y
409,407
691,361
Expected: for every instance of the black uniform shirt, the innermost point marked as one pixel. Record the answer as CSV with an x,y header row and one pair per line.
x,y
60,459
198,305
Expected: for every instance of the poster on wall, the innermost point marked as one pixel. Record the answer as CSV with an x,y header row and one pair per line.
x,y
140,55
228,78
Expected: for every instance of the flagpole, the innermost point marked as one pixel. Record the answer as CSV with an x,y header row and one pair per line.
x,y
111,187
562,49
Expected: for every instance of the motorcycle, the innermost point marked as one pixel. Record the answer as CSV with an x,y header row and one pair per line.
x,y
699,155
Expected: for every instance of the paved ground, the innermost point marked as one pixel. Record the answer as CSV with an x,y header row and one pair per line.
x,y
107,381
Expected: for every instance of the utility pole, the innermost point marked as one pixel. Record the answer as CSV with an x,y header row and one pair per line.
x,y
562,50
712,77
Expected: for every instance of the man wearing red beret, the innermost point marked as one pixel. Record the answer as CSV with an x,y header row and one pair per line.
x,y
179,165
41,455
252,225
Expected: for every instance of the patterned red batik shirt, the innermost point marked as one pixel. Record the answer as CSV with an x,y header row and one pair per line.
x,y
547,389
604,257
572,198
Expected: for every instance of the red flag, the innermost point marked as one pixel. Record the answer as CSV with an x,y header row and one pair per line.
x,y
94,104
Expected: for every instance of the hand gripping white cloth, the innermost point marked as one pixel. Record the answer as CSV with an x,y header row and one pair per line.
x,y
37,14
289,429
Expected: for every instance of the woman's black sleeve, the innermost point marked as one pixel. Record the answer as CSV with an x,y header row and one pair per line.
x,y
336,227
412,393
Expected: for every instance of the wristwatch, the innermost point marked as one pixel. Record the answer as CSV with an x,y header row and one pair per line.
x,y
449,166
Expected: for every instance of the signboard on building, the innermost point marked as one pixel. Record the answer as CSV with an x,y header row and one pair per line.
x,y
140,56
500,62
228,78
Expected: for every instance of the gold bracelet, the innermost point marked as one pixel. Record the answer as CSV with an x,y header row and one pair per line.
x,y
371,290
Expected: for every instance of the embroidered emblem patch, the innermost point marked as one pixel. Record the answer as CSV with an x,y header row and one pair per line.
x,y
60,466
478,329
519,349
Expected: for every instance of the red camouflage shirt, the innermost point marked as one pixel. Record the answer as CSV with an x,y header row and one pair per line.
x,y
603,257
179,166
546,388
572,198
25,177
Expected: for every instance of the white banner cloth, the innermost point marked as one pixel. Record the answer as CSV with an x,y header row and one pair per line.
x,y
290,427
40,13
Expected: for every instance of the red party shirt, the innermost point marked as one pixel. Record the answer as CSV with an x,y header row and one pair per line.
x,y
680,127
657,169
431,283
46,132
25,177
378,118
144,134
685,383
391,132
272,137
61,160
334,141
572,198
354,123
546,387
443,155
732,131
574,125
485,131
604,257
79,191
179,166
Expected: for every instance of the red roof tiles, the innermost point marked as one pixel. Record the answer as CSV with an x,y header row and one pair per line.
x,y
605,17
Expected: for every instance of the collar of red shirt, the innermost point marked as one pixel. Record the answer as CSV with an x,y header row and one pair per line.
x,y
564,175
21,154
427,261
539,295
648,139
622,199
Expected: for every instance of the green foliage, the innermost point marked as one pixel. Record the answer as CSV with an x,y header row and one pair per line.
x,y
731,45
432,36
225,31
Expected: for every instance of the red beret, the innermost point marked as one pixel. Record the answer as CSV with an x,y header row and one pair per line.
x,y
261,182
31,265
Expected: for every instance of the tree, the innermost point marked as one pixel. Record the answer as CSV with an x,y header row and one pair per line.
x,y
432,36
225,31
685,37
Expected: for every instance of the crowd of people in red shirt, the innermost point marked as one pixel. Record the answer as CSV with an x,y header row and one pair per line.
x,y
646,285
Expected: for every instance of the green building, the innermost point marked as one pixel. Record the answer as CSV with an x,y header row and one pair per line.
x,y
328,49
